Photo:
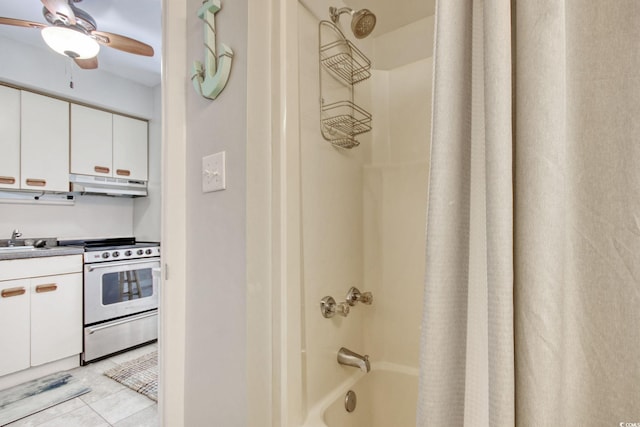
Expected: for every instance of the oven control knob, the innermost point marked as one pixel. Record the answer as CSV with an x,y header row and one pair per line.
x,y
127,253
115,254
105,255
140,252
148,252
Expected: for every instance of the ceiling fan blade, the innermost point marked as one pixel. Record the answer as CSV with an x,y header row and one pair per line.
x,y
87,64
20,23
123,43
61,8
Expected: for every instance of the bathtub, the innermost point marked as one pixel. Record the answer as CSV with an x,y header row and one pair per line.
x,y
386,396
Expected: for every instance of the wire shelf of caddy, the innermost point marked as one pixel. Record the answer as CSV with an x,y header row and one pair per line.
x,y
342,121
345,61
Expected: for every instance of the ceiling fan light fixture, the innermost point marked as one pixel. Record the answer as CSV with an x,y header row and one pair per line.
x,y
70,42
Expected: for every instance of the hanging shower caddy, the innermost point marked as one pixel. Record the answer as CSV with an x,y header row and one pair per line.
x,y
342,66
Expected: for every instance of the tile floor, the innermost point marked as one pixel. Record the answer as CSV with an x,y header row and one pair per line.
x,y
107,404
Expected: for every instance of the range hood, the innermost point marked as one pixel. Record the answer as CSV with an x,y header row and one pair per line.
x,y
86,184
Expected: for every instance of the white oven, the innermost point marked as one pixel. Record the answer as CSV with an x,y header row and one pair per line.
x,y
117,289
121,285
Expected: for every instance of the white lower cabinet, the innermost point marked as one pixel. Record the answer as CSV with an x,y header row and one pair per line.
x,y
56,317
15,330
40,316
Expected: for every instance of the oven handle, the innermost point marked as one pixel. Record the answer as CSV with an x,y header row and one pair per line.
x,y
93,330
112,264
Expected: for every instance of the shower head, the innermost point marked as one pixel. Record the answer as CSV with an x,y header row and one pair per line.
x,y
363,21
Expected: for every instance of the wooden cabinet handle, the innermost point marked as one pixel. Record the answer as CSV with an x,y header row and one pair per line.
x,y
123,172
36,182
50,287
101,169
12,292
7,180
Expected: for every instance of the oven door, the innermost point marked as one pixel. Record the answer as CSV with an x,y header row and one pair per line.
x,y
116,289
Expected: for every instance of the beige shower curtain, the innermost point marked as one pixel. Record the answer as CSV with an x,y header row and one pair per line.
x,y
532,291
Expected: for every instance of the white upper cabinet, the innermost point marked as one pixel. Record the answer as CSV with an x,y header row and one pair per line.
x,y
130,145
43,139
106,144
91,141
44,148
9,137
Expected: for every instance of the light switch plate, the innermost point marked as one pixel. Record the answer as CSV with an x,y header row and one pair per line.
x,y
213,172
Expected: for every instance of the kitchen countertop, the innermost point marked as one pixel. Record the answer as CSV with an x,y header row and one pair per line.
x,y
41,252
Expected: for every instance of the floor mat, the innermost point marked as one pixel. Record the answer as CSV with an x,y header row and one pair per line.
x,y
34,396
139,374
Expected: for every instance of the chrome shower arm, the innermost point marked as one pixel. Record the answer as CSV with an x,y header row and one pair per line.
x,y
335,13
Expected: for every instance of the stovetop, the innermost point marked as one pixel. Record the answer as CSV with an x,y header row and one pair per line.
x,y
110,242
114,249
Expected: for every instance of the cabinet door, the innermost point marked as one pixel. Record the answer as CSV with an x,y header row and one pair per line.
x,y
56,317
9,137
129,148
14,333
44,146
91,141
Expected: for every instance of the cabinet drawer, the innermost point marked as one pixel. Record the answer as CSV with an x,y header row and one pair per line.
x,y
34,267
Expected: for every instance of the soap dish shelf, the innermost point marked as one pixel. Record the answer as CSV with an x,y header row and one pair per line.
x,y
345,61
344,118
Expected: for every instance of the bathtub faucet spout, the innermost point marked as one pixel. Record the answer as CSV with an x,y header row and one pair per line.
x,y
349,358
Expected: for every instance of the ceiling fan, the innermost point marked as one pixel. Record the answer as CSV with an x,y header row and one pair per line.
x,y
73,32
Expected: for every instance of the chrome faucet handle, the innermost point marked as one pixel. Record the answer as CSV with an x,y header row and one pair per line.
x,y
354,295
329,308
16,233
366,298
342,308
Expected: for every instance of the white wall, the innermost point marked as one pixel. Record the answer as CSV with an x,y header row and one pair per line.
x,y
44,70
146,210
92,216
215,370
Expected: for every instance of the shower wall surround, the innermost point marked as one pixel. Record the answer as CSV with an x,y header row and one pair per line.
x,y
395,197
332,233
364,209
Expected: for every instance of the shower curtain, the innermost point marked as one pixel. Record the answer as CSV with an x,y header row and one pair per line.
x,y
532,288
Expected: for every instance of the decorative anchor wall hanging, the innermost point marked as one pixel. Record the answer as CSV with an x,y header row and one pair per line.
x,y
211,79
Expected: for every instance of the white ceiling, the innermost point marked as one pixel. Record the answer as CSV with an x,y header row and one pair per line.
x,y
137,19
393,14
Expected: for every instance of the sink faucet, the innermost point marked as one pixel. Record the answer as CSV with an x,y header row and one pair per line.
x,y
16,233
349,358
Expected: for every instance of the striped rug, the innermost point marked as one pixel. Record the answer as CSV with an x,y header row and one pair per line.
x,y
139,374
